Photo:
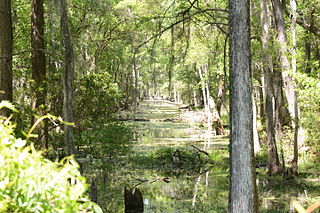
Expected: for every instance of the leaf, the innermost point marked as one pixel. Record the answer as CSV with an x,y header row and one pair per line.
x,y
8,105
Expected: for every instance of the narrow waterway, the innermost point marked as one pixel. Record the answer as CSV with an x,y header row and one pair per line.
x,y
176,164
175,188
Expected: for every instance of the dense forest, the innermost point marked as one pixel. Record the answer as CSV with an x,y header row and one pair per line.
x,y
159,106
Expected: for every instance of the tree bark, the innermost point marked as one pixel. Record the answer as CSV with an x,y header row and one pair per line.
x,y
288,80
171,65
242,193
68,76
39,65
294,163
273,166
5,52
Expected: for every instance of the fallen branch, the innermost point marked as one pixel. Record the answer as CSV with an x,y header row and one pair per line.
x,y
200,150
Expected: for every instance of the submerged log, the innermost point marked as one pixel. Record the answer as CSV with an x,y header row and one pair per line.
x,y
94,190
133,200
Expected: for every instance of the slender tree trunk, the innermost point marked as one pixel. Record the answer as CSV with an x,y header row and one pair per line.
x,y
242,193
203,89
294,163
171,65
39,66
256,142
68,76
273,158
135,89
5,52
307,45
223,89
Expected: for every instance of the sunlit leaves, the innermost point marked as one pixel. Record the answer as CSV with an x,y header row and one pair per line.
x,y
31,183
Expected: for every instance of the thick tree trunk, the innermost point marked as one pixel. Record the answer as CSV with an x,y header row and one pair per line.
x,y
68,76
242,193
289,83
273,158
39,66
5,52
288,80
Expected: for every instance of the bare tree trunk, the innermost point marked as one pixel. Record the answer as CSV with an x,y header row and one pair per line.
x,y
5,52
68,76
171,65
256,142
203,89
135,89
243,193
39,66
294,163
288,80
273,158
289,83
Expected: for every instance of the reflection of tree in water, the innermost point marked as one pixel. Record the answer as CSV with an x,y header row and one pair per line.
x,y
133,200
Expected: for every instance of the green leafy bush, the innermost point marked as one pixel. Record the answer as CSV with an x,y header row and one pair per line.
x,y
31,183
106,140
96,97
309,103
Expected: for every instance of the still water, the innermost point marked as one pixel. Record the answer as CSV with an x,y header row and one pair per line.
x,y
187,186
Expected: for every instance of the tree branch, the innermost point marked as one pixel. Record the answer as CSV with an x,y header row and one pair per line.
x,y
178,22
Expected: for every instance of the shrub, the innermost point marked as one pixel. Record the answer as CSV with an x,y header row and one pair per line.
x,y
31,183
107,140
96,97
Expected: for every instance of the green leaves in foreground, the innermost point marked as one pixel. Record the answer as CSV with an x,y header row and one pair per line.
x,y
31,183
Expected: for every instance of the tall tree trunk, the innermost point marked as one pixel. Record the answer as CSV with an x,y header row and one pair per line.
x,y
273,157
307,45
294,163
288,80
135,89
203,89
39,65
5,52
289,83
171,65
68,76
243,192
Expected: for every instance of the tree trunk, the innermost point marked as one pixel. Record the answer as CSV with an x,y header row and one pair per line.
x,y
135,89
133,200
68,76
39,66
288,80
5,52
273,166
242,193
256,142
294,163
171,65
289,83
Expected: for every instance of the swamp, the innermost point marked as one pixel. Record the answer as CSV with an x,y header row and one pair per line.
x,y
152,106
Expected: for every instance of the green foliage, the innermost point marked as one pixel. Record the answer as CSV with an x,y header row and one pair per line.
x,y
31,183
96,97
107,140
309,102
